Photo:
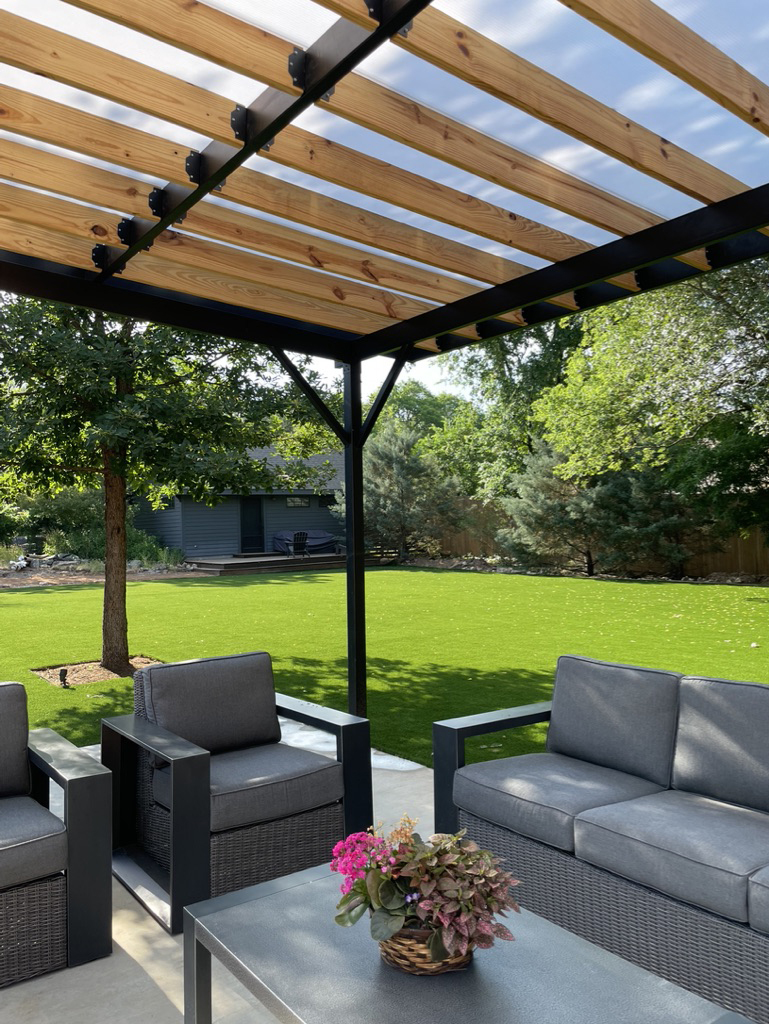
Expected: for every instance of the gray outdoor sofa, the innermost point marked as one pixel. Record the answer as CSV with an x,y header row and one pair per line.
x,y
643,827
206,797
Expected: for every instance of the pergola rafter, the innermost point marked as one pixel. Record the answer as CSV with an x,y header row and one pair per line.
x,y
421,232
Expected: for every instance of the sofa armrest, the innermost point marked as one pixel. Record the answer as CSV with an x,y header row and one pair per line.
x,y
353,751
449,750
87,788
121,739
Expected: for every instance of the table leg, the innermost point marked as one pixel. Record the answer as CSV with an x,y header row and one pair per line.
x,y
197,977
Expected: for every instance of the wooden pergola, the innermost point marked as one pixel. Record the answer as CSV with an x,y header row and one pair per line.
x,y
340,253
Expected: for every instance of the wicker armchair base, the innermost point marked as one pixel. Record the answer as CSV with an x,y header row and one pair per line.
x,y
720,960
33,929
248,855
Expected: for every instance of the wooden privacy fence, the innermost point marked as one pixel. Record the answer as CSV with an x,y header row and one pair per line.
x,y
748,555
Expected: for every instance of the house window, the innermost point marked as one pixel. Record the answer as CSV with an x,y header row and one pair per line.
x,y
326,500
293,501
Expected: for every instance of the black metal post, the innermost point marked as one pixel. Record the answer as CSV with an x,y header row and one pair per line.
x,y
356,553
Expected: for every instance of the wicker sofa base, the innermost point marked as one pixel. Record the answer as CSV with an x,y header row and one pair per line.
x,y
33,929
720,960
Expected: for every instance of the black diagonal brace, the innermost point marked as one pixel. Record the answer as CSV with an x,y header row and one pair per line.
x,y
310,393
327,61
726,219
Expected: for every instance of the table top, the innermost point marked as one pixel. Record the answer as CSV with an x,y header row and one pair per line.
x,y
281,941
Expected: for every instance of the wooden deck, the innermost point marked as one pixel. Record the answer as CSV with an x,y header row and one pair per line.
x,y
236,565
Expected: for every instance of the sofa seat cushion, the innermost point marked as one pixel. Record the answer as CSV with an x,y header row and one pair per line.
x,y
696,849
33,842
539,795
263,783
758,900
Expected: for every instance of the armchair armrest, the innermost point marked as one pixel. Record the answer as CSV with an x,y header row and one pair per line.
x,y
449,750
87,787
353,751
121,738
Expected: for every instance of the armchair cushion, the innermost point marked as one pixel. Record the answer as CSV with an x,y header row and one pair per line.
x,y
618,716
722,748
263,784
219,703
539,795
696,849
758,900
33,842
14,736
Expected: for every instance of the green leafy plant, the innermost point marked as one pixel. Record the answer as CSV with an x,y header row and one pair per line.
x,y
446,885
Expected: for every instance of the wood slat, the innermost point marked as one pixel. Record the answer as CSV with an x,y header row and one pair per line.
x,y
84,66
656,34
160,272
459,50
32,208
107,189
35,117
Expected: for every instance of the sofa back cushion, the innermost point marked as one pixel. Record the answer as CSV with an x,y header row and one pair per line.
x,y
14,737
219,703
722,748
618,716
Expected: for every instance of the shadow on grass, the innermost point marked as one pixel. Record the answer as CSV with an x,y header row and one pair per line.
x,y
403,701
82,725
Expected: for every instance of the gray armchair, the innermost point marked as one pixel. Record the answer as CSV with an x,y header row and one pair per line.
x,y
207,799
55,876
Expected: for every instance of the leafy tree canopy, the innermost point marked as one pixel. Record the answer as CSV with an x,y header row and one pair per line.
x,y
177,410
662,368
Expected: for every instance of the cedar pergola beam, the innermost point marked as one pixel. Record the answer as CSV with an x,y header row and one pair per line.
x,y
650,30
107,189
467,54
85,66
40,119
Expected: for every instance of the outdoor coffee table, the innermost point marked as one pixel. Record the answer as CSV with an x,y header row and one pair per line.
x,y
280,940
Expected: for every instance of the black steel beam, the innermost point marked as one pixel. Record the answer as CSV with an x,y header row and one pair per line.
x,y
712,224
24,275
324,64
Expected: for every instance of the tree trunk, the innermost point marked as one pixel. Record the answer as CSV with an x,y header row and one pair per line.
x,y
589,563
114,634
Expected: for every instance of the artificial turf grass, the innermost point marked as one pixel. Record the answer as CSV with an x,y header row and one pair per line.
x,y
440,643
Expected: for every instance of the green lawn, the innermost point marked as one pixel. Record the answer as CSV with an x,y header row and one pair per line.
x,y
440,643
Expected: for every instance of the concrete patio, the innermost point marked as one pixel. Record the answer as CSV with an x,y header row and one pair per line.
x,y
142,982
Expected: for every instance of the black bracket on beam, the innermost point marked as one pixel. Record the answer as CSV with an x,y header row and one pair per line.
x,y
132,229
298,66
494,328
204,164
733,250
162,201
103,256
241,120
377,11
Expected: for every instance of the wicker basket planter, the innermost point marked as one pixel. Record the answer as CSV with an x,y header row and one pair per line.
x,y
408,951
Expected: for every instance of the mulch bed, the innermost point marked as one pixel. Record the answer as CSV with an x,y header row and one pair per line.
x,y
88,672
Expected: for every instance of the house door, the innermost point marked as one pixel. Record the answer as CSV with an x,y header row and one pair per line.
x,y
251,525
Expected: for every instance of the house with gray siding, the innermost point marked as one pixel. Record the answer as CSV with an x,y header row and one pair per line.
x,y
245,523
